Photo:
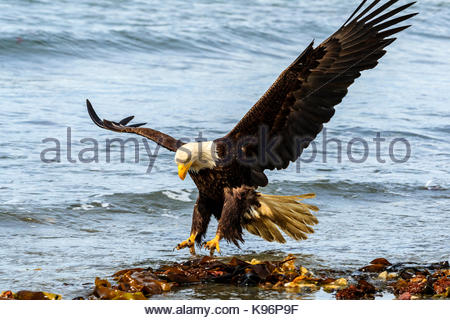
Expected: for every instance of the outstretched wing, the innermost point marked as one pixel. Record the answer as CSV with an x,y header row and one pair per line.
x,y
293,110
160,138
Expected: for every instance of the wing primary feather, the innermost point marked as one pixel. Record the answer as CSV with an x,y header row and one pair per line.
x,y
160,138
390,14
373,4
355,12
351,66
137,124
390,32
378,11
126,120
95,118
394,21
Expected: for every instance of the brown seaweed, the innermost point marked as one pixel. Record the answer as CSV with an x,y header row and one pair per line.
x,y
362,290
405,280
29,295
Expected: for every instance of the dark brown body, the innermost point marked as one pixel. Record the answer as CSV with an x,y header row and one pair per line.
x,y
224,194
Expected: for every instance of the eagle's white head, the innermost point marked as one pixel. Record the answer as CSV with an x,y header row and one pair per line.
x,y
195,156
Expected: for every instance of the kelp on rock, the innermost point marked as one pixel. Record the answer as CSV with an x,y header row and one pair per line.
x,y
403,280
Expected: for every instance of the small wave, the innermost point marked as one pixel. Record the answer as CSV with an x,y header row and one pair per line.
x,y
430,34
367,132
40,123
4,156
407,134
435,184
13,201
153,202
83,207
90,206
169,216
182,195
100,44
90,230
350,188
54,44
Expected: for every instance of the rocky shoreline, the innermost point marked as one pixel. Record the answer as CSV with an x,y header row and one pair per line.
x,y
405,281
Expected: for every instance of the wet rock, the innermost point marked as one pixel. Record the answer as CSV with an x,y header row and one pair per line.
x,y
363,290
413,286
7,295
335,285
301,286
104,290
392,275
29,295
376,265
404,296
442,284
374,268
406,280
381,261
422,284
385,276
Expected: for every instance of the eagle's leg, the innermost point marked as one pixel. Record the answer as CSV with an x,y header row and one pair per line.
x,y
214,244
200,221
190,242
236,203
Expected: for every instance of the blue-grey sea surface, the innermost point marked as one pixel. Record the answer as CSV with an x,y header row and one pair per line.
x,y
197,66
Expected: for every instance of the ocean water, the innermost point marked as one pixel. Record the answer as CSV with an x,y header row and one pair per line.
x,y
190,67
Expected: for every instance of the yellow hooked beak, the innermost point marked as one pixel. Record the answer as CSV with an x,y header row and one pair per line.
x,y
183,169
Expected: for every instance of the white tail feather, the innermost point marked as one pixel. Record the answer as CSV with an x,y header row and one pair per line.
x,y
287,213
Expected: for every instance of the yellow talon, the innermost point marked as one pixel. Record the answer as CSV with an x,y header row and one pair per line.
x,y
213,245
190,242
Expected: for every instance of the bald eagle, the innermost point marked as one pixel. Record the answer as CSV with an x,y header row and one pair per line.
x,y
273,133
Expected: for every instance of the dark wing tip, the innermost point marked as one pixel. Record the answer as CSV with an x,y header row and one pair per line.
x,y
355,12
366,15
111,125
124,121
137,124
95,118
